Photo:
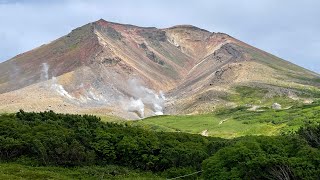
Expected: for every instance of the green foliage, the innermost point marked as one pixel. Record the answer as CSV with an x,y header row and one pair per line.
x,y
293,117
238,121
52,138
311,92
264,158
47,145
246,95
216,125
48,138
311,133
14,171
181,172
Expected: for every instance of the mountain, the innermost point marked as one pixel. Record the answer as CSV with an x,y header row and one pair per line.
x,y
132,72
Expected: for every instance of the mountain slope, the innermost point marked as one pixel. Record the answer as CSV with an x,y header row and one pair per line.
x,y
106,67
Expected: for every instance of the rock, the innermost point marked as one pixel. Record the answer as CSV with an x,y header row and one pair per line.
x,y
276,106
204,133
254,108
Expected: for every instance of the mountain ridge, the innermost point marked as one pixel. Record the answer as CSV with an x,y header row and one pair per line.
x,y
95,63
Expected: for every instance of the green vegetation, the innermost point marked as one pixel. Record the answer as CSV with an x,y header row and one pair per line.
x,y
311,92
264,158
245,95
47,145
13,171
291,118
225,127
110,118
50,139
304,78
239,121
275,62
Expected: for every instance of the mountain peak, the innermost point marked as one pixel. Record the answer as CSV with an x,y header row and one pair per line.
x,y
104,23
188,26
95,66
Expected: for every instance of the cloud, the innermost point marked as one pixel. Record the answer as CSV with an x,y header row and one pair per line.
x,y
287,28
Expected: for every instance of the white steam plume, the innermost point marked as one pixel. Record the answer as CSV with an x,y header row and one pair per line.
x,y
136,105
59,88
54,83
89,95
147,97
44,72
15,72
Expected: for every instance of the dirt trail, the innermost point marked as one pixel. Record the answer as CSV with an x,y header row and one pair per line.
x,y
222,121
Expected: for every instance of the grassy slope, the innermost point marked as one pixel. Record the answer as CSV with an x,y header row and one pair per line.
x,y
230,123
258,96
109,118
18,171
218,127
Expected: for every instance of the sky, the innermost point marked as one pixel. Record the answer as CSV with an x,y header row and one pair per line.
x,y
288,28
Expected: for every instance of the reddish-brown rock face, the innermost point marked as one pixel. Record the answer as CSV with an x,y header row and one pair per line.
x,y
96,62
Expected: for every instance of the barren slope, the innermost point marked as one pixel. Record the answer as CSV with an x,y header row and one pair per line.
x,y
106,68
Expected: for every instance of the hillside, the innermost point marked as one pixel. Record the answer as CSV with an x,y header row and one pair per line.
x,y
135,72
237,122
48,145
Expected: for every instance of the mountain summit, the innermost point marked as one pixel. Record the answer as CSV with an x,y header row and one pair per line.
x,y
133,72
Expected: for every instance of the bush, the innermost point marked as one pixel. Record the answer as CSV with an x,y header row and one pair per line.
x,y
264,158
48,138
73,140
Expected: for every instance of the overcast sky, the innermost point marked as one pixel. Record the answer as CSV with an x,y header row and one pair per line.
x,y
289,29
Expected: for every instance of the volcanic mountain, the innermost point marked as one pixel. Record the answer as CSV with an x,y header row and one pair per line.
x,y
132,72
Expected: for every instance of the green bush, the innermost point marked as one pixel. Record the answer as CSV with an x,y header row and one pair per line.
x,y
264,158
65,140
74,140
